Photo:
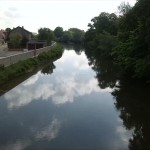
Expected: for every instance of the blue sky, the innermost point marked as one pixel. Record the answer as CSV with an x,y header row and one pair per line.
x,y
33,14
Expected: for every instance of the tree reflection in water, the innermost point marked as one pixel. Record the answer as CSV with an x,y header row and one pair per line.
x,y
106,72
48,69
77,48
131,99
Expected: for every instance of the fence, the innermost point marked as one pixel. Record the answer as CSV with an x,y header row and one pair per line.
x,y
6,61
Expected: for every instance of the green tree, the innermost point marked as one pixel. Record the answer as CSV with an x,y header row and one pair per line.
x,y
102,33
66,37
58,32
8,30
45,34
133,51
77,35
15,40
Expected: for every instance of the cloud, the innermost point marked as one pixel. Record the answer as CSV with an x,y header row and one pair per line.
x,y
11,14
61,87
82,64
32,80
49,132
71,88
13,9
18,145
63,91
23,96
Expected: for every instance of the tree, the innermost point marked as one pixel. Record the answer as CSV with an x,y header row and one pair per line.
x,y
15,40
104,22
45,34
124,8
101,36
133,51
66,37
77,35
8,30
58,32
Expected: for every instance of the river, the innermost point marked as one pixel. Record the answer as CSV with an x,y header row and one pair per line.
x,y
66,106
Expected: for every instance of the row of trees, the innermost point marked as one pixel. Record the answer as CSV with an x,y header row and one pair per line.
x,y
125,38
73,35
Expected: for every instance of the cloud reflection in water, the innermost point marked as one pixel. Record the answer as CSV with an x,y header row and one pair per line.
x,y
60,87
49,132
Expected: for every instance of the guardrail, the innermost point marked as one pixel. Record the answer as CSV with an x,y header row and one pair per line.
x,y
6,61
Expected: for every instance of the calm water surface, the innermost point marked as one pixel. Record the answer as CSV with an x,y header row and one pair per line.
x,y
62,107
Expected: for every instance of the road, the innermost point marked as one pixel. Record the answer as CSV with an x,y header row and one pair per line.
x,y
4,51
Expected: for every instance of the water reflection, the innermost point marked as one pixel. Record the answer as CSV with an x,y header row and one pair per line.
x,y
77,48
64,110
62,87
106,72
49,132
48,69
131,99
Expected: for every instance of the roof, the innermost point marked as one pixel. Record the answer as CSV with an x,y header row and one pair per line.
x,y
34,41
22,28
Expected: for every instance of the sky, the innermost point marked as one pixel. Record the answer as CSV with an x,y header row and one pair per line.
x,y
35,14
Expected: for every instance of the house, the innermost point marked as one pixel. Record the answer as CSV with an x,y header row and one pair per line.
x,y
20,30
2,37
18,38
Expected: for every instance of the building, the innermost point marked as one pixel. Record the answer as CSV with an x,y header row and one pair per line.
x,y
2,36
26,40
20,30
18,38
36,44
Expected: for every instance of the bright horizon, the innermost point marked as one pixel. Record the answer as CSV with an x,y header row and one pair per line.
x,y
35,14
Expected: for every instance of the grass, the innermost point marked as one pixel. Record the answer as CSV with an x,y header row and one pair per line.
x,y
26,66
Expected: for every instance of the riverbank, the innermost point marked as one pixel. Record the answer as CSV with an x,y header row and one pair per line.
x,y
26,66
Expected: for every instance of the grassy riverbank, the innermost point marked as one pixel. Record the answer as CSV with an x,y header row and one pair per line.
x,y
26,66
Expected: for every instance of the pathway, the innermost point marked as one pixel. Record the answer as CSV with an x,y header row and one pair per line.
x,y
4,51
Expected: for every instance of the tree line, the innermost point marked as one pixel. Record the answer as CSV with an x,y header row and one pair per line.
x,y
124,38
72,35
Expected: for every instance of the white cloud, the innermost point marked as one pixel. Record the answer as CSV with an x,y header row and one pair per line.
x,y
50,13
64,90
13,9
123,134
22,96
32,79
71,88
50,132
11,14
80,62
